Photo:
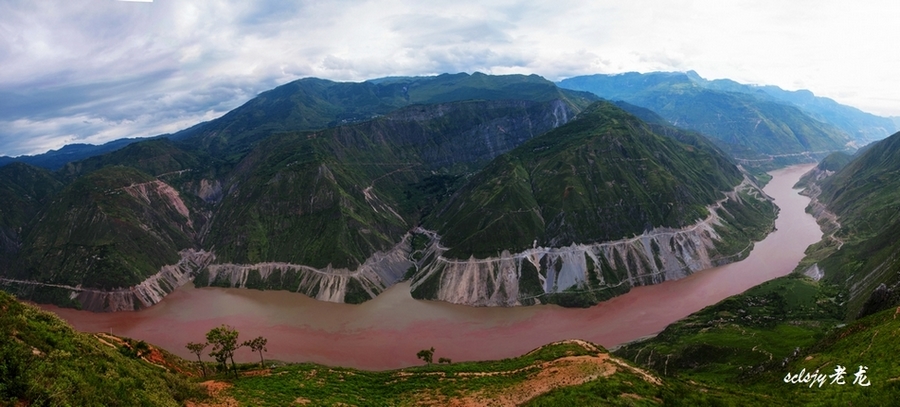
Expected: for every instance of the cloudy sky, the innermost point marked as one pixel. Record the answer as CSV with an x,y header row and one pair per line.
x,y
97,70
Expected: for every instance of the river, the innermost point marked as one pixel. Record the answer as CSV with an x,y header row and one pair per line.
x,y
387,332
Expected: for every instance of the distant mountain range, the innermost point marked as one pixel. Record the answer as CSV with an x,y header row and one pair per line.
x,y
752,123
55,159
479,190
340,190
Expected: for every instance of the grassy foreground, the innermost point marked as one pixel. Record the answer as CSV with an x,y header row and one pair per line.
x,y
719,357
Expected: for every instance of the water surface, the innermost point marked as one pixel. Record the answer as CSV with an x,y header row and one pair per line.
x,y
388,331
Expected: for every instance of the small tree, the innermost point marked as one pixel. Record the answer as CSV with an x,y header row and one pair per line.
x,y
426,354
444,360
257,344
224,342
197,349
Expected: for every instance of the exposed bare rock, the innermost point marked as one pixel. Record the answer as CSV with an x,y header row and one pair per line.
x,y
380,271
149,292
210,191
170,195
655,256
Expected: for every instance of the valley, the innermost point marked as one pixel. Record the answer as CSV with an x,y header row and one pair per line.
x,y
387,331
356,224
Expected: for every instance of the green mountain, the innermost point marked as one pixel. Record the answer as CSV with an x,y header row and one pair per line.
x,y
861,126
24,190
55,159
754,129
250,189
837,310
836,313
311,104
332,199
154,157
340,190
860,201
112,229
605,177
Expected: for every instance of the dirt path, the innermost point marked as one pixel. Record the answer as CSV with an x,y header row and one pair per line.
x,y
563,372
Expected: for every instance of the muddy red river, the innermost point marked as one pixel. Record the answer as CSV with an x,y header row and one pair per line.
x,y
387,332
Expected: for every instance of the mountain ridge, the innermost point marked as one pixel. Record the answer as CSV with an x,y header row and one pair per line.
x,y
748,126
277,205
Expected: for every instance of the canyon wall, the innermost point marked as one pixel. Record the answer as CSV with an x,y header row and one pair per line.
x,y
598,270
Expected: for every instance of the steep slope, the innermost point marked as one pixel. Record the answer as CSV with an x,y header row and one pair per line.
x,y
860,202
154,157
24,190
276,205
593,207
749,127
43,361
111,230
861,126
312,104
324,203
783,341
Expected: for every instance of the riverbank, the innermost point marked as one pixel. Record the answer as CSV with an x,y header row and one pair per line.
x,y
386,333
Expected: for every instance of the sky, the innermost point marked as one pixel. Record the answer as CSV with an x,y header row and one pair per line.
x,y
91,71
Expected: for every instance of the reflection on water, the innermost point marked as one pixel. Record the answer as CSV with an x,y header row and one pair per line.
x,y
388,331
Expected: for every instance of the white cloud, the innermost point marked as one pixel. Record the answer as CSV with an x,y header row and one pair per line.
x,y
143,69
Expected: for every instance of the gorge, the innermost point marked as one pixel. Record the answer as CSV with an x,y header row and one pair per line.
x,y
387,332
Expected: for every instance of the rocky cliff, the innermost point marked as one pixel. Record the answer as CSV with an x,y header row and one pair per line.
x,y
585,273
148,293
377,273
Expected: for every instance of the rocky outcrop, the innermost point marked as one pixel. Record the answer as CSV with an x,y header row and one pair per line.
x,y
826,219
605,268
158,189
377,273
210,191
148,293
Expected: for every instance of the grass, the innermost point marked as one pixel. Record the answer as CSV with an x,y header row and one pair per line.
x,y
742,334
43,361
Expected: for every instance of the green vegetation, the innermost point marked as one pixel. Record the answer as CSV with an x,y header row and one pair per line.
x,y
154,157
257,344
743,334
747,125
514,380
860,126
604,176
338,195
312,104
110,229
224,342
426,355
44,362
24,190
